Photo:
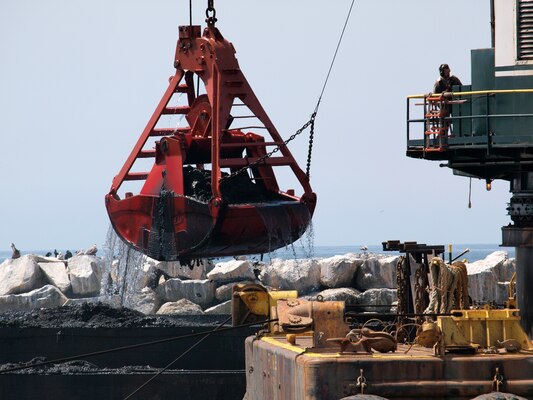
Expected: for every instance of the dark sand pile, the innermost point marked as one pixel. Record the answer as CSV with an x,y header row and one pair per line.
x,y
70,367
73,367
99,315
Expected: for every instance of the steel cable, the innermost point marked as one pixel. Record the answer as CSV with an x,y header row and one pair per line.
x,y
133,346
312,131
177,358
310,122
334,56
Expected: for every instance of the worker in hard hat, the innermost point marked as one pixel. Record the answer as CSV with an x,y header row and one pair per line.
x,y
446,80
444,85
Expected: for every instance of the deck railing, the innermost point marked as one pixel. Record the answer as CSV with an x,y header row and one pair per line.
x,y
478,118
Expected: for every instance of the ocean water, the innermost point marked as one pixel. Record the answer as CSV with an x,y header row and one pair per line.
x,y
477,251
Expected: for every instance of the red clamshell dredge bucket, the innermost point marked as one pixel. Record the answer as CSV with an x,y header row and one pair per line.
x,y
211,191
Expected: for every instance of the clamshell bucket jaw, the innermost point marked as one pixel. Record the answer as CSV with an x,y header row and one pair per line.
x,y
212,190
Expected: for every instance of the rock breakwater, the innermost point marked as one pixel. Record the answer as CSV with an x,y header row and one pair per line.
x,y
33,282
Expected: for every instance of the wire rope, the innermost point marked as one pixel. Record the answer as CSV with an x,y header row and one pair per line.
x,y
313,116
133,346
177,358
334,56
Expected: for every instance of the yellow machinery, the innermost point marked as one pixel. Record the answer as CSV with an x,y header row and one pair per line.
x,y
310,352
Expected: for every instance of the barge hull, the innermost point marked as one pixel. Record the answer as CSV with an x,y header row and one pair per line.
x,y
277,370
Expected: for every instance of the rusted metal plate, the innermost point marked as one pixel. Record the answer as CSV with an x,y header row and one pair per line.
x,y
278,370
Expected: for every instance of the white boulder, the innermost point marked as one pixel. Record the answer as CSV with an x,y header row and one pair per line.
x,y
377,297
45,259
182,306
46,297
223,308
201,292
231,271
174,269
338,271
377,272
348,295
56,274
302,275
505,269
497,261
145,273
144,301
113,270
150,271
20,275
488,279
85,273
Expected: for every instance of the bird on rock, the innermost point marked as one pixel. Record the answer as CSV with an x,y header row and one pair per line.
x,y
92,250
15,253
60,256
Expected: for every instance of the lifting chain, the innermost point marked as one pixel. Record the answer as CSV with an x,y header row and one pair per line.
x,y
211,19
210,13
497,381
401,285
361,382
310,150
261,159
420,287
418,295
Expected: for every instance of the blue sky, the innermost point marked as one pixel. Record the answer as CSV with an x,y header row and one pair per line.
x,y
79,80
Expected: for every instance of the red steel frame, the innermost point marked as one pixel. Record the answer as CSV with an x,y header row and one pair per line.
x,y
182,227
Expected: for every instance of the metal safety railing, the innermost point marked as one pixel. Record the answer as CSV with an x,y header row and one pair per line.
x,y
482,118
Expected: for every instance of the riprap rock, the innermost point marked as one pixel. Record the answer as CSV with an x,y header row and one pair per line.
x,y
20,275
46,297
302,275
231,271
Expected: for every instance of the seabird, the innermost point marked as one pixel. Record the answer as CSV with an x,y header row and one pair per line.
x,y
364,248
48,254
68,254
15,253
60,256
92,250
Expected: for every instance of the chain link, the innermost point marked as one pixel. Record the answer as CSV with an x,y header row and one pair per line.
x,y
210,13
400,284
419,289
269,154
401,280
361,382
497,381
310,150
